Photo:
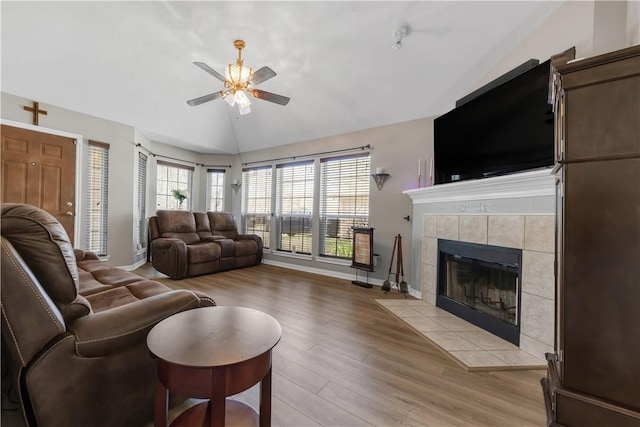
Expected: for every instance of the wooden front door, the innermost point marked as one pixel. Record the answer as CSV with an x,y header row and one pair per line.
x,y
39,169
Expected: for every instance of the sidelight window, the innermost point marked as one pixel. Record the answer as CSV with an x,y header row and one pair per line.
x,y
97,197
215,184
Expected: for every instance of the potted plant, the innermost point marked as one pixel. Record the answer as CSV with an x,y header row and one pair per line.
x,y
180,195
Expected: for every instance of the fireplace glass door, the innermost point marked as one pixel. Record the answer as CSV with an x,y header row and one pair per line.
x,y
488,287
481,284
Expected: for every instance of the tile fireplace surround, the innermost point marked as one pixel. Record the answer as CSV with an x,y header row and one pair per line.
x,y
515,211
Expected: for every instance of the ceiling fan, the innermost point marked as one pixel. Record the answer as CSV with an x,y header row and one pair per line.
x,y
238,82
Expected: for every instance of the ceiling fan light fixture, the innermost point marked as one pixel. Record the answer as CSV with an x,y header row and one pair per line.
x,y
238,74
229,97
242,99
237,79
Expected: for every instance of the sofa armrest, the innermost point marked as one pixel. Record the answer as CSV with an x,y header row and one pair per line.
x,y
169,256
166,242
255,238
120,328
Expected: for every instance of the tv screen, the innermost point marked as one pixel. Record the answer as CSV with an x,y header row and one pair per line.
x,y
504,130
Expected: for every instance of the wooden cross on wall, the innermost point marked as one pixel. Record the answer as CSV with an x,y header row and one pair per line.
x,y
36,112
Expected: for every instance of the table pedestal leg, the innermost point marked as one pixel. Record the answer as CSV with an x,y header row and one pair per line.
x,y
218,397
161,405
265,400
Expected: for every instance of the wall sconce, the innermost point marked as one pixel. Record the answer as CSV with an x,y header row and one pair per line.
x,y
380,177
236,185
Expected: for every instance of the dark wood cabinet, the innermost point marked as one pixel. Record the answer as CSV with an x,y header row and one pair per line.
x,y
594,378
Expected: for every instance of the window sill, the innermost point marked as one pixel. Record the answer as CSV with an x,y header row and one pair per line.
x,y
292,255
335,261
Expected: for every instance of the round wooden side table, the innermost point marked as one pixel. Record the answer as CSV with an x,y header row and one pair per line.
x,y
211,353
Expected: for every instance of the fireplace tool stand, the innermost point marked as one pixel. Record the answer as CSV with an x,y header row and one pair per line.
x,y
401,285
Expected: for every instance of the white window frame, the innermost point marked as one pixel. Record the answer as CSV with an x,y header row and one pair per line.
x,y
165,185
295,189
343,205
97,203
141,208
257,183
215,190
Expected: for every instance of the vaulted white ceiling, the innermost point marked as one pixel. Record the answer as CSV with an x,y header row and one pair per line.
x,y
131,62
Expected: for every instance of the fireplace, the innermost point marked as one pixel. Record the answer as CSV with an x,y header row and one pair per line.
x,y
481,284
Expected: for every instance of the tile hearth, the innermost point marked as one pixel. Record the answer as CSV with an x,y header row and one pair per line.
x,y
468,345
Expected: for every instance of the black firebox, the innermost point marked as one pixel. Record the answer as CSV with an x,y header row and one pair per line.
x,y
481,284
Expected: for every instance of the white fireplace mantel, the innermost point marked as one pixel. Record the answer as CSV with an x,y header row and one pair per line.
x,y
515,211
536,183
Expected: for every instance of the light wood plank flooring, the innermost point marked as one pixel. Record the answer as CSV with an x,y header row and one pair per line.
x,y
345,361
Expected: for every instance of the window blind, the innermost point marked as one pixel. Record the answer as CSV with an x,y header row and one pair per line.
x,y
170,177
344,202
141,229
97,197
215,178
294,206
256,202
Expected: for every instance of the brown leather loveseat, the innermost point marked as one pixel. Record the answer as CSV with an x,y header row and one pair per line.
x,y
75,339
185,244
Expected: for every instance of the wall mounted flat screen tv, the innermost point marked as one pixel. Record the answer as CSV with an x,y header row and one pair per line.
x,y
506,129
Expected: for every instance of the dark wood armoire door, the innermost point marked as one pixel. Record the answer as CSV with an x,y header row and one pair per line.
x,y
39,169
594,379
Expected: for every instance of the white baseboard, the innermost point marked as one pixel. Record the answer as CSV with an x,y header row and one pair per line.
x,y
376,282
134,266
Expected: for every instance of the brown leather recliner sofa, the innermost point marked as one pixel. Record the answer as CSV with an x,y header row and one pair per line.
x,y
74,328
185,244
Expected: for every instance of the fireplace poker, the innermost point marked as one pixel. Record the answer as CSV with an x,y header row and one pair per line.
x,y
403,285
386,285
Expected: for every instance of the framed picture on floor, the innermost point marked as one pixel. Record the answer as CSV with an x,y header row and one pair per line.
x,y
362,254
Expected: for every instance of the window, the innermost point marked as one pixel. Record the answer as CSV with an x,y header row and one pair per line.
x,y
294,208
97,199
256,202
344,202
141,229
173,177
215,179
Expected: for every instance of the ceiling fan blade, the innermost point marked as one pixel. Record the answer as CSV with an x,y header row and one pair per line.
x,y
271,97
210,70
264,73
203,99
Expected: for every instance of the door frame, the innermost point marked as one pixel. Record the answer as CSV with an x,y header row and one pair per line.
x,y
79,144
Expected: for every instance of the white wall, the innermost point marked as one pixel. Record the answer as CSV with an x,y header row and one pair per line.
x,y
121,242
573,24
395,147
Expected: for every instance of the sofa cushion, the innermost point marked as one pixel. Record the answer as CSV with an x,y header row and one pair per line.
x,y
124,295
203,252
89,285
44,246
97,276
202,225
224,224
178,225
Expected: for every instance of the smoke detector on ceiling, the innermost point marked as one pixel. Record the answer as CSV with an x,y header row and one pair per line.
x,y
398,35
